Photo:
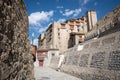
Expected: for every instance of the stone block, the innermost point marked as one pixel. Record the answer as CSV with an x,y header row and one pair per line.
x,y
86,46
114,60
84,60
95,44
108,40
98,60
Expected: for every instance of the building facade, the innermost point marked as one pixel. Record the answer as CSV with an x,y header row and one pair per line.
x,y
91,19
33,50
75,38
42,54
42,41
65,35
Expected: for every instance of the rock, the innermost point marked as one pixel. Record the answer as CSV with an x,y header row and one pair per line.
x,y
14,42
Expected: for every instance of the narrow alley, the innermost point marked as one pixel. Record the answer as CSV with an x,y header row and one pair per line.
x,y
46,73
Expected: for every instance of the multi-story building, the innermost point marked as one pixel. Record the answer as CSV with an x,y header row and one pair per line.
x,y
65,35
91,19
42,41
33,50
57,34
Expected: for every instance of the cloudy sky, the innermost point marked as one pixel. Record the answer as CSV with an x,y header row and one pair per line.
x,y
43,12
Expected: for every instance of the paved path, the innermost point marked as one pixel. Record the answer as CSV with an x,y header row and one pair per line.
x,y
45,73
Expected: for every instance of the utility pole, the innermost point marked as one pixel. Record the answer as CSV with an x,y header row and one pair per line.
x,y
32,37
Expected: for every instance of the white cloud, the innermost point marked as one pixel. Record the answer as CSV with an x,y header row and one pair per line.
x,y
60,7
41,30
69,12
35,42
77,12
37,18
61,11
83,2
61,20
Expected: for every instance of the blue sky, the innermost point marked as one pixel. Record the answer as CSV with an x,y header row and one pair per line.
x,y
43,12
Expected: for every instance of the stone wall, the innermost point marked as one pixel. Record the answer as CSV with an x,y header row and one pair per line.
x,y
99,59
15,59
107,25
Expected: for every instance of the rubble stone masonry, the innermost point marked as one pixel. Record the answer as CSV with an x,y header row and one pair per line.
x,y
98,62
15,59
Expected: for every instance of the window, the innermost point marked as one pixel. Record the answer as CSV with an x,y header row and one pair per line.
x,y
63,26
78,30
53,54
71,27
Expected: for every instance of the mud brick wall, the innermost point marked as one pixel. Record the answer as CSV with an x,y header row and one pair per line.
x,y
15,59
